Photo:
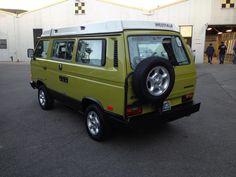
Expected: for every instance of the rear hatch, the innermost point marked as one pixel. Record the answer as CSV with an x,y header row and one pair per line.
x,y
142,44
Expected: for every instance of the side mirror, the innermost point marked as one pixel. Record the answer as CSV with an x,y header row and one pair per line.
x,y
30,53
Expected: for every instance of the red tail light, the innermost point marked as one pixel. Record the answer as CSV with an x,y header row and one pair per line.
x,y
134,110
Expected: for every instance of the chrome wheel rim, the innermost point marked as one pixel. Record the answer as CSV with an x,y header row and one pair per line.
x,y
93,123
158,81
42,98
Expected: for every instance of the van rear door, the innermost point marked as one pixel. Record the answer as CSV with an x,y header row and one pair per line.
x,y
164,45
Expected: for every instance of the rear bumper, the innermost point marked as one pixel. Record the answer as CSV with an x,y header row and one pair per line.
x,y
176,112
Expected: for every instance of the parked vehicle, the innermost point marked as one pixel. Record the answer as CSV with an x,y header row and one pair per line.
x,y
115,70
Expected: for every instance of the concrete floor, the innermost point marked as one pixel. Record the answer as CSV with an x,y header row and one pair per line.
x,y
215,60
34,142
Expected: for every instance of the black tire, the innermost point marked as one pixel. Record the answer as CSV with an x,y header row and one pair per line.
x,y
102,127
140,76
48,102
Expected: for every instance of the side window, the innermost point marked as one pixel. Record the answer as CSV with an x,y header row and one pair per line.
x,y
3,44
62,49
91,52
41,50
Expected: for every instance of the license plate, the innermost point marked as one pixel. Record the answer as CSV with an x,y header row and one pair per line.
x,y
166,106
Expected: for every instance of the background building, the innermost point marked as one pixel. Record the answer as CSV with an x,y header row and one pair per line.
x,y
19,31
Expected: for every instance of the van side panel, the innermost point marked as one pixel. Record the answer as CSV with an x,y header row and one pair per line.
x,y
39,66
102,83
105,83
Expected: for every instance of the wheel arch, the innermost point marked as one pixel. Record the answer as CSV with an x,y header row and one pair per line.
x,y
39,83
86,101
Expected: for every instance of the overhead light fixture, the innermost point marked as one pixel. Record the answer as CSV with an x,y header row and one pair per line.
x,y
229,30
209,29
220,33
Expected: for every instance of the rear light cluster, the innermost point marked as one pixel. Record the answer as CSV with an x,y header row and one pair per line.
x,y
133,110
187,97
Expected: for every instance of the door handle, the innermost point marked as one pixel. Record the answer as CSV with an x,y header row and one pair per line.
x,y
60,66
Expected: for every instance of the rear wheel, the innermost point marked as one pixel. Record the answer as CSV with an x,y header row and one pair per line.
x,y
95,123
45,99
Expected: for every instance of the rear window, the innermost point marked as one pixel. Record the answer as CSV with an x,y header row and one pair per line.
x,y
165,47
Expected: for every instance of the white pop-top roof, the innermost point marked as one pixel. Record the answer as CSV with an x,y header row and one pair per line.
x,y
109,27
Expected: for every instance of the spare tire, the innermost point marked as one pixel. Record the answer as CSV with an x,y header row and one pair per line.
x,y
153,80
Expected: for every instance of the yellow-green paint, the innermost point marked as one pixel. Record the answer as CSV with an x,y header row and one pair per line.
x,y
106,84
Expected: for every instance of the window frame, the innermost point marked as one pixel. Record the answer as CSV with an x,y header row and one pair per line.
x,y
47,49
63,40
136,35
3,46
104,50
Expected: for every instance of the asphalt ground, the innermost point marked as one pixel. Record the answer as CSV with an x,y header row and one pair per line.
x,y
41,143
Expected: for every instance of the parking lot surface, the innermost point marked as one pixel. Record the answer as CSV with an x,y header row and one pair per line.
x,y
35,143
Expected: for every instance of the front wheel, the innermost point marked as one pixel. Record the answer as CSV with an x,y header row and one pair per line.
x,y
44,98
95,123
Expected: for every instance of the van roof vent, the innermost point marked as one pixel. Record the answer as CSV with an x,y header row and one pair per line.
x,y
82,27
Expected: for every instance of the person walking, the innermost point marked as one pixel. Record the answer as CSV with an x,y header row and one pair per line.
x,y
222,50
210,51
234,60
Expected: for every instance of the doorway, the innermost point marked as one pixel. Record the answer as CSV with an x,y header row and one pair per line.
x,y
187,32
215,34
37,34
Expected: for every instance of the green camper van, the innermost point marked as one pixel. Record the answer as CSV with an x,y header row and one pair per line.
x,y
117,70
